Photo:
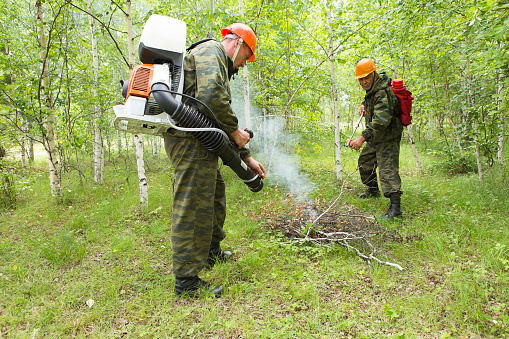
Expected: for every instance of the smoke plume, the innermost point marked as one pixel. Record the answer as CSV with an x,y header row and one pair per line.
x,y
273,147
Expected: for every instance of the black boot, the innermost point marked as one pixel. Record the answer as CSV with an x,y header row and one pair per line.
x,y
395,208
372,192
194,287
216,254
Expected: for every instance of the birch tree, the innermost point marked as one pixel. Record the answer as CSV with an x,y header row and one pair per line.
x,y
500,152
46,106
98,148
337,135
245,77
138,140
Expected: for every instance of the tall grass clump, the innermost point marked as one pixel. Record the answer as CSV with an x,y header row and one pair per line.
x,y
64,250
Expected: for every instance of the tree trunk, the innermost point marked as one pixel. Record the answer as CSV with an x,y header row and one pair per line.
x,y
141,171
98,151
500,151
478,153
119,142
196,17
30,146
245,77
410,134
288,58
155,147
22,143
337,135
50,120
138,140
211,11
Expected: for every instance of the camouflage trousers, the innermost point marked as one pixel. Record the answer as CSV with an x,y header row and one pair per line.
x,y
385,156
199,203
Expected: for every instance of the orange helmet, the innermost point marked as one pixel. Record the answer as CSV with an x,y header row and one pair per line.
x,y
364,67
245,32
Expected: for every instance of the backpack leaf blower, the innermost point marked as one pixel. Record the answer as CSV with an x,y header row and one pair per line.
x,y
153,101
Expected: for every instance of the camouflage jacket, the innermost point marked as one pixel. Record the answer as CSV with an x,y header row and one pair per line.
x,y
382,112
207,73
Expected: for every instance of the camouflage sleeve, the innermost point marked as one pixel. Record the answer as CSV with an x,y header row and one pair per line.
x,y
382,117
213,86
244,152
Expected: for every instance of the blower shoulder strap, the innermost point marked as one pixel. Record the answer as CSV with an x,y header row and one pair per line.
x,y
198,43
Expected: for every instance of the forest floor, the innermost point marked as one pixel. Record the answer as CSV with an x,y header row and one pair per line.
x,y
94,265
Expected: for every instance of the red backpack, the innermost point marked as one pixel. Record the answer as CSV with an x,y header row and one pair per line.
x,y
405,101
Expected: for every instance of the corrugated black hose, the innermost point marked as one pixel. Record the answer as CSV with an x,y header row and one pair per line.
x,y
214,141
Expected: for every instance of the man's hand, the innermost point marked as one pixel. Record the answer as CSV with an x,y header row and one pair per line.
x,y
362,110
357,143
240,137
255,166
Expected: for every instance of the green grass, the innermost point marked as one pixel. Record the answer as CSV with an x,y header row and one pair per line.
x,y
97,245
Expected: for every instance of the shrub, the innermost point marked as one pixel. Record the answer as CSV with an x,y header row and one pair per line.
x,y
451,161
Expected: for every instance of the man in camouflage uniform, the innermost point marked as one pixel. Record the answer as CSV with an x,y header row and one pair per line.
x,y
199,201
382,134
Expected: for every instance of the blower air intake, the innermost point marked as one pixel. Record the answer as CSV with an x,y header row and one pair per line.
x,y
153,106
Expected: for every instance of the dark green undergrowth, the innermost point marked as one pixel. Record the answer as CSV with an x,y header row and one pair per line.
x,y
96,265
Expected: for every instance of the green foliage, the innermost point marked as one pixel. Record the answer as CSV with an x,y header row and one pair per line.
x,y
14,181
452,162
7,191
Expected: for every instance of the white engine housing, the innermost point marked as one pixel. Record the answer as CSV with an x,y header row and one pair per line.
x,y
162,43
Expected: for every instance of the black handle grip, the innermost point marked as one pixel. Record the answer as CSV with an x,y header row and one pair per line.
x,y
251,134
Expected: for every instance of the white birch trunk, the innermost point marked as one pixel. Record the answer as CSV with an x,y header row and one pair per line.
x,y
138,140
23,143
98,150
337,136
49,124
210,34
155,147
23,152
141,170
119,142
410,134
245,77
196,17
30,146
500,152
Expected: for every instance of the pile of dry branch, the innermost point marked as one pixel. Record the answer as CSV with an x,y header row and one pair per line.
x,y
342,225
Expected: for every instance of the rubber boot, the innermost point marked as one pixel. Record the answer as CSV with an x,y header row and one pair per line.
x,y
194,287
395,208
372,192
216,254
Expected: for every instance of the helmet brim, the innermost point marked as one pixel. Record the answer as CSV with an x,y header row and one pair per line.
x,y
362,75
